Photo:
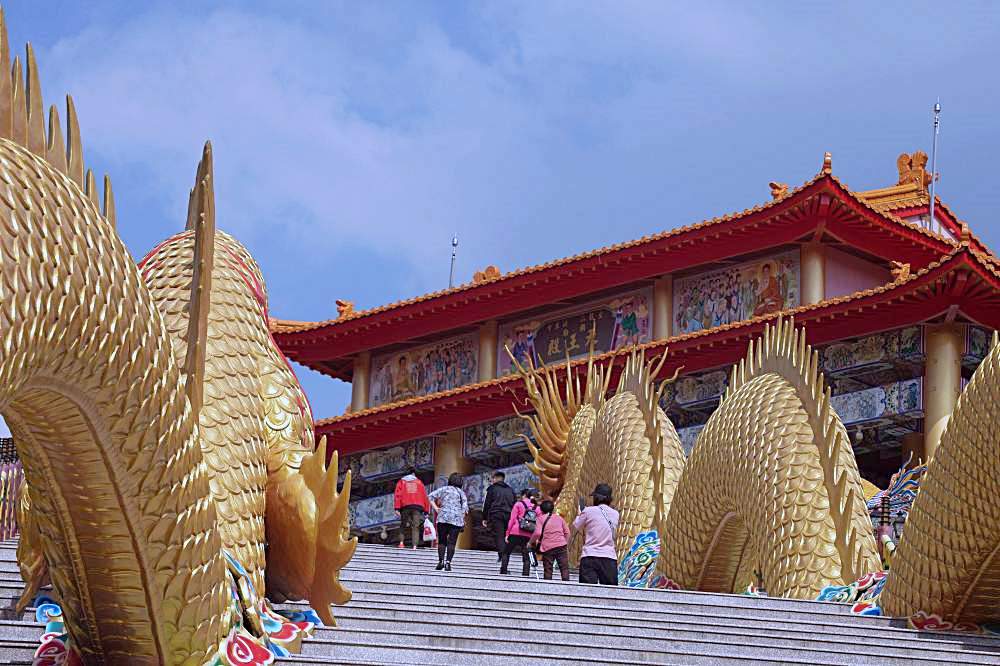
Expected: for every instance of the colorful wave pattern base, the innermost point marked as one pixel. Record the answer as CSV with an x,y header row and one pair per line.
x,y
258,633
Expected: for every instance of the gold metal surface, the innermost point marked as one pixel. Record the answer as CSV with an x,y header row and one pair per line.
x,y
773,481
948,560
153,413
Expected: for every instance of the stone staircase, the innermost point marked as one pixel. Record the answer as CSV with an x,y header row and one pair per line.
x,y
406,613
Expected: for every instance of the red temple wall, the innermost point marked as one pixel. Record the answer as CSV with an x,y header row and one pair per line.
x,y
847,274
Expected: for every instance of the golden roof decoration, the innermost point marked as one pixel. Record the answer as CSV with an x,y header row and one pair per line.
x,y
344,308
827,163
778,190
910,190
22,121
489,273
913,169
900,271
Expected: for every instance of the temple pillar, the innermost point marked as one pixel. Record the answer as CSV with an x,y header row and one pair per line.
x,y
663,307
359,381
942,380
812,262
488,351
448,459
913,443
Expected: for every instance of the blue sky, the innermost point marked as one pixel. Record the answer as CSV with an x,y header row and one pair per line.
x,y
353,139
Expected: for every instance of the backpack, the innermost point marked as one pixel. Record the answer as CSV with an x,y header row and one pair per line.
x,y
528,520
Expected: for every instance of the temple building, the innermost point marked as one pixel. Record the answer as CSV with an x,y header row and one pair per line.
x,y
901,306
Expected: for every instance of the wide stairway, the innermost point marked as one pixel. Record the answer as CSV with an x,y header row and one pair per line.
x,y
406,613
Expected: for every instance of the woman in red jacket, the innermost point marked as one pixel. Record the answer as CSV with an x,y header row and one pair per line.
x,y
411,505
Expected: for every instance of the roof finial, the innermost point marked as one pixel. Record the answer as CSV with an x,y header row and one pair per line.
x,y
491,272
966,233
344,308
778,190
827,162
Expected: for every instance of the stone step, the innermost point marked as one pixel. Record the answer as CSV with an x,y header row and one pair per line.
x,y
503,587
600,649
648,639
358,612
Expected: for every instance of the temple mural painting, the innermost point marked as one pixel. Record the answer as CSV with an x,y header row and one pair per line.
x,y
736,293
485,438
610,324
373,512
421,370
694,389
896,398
904,343
518,477
977,343
688,437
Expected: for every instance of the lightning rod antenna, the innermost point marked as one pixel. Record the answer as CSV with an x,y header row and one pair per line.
x,y
937,126
454,251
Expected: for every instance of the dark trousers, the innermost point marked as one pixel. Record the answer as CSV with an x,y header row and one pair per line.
x,y
412,517
559,556
447,538
603,570
498,528
513,542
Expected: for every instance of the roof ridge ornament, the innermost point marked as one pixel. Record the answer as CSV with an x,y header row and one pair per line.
x,y
489,273
344,308
913,170
827,163
778,190
900,271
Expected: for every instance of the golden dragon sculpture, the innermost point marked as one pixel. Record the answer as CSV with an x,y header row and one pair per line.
x,y
153,413
772,488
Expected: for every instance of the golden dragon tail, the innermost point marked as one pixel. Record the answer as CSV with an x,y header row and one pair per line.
x,y
948,560
97,406
772,483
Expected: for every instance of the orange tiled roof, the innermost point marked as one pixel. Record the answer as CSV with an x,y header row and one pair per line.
x,y
988,263
284,326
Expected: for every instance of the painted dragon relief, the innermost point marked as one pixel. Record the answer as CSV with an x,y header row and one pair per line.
x,y
166,443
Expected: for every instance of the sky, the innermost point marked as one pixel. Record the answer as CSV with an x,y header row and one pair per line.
x,y
353,140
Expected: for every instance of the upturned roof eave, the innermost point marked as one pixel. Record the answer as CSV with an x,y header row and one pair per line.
x,y
297,340
817,317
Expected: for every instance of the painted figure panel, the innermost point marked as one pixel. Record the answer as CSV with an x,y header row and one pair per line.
x,y
505,434
421,370
736,293
694,389
610,324
903,343
903,397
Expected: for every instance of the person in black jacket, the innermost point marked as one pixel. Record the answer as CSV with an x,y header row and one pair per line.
x,y
496,510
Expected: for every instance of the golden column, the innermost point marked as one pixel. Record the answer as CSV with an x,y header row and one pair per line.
x,y
942,380
663,307
488,351
448,459
813,266
359,381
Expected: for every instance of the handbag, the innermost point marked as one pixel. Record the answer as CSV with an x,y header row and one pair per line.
x,y
528,521
430,533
